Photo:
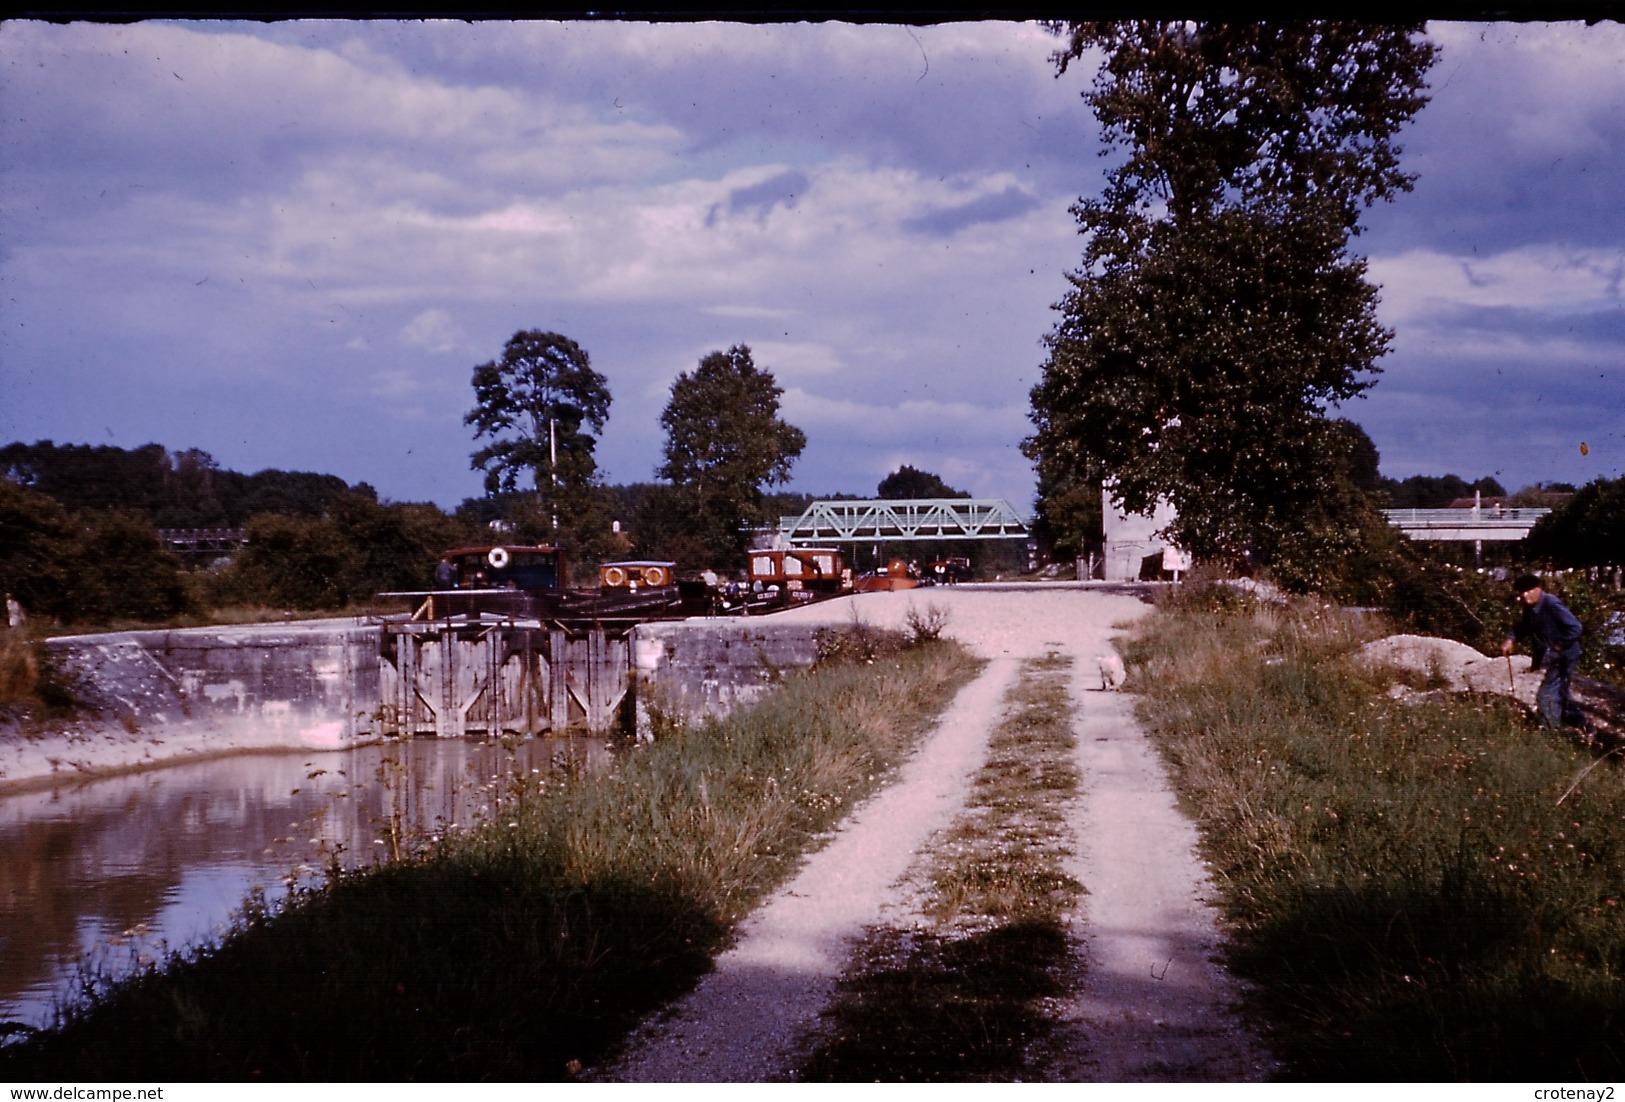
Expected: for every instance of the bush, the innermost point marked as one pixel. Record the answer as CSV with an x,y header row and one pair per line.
x,y
926,626
1587,530
98,568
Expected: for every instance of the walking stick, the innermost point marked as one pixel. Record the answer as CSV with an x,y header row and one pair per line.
x,y
1586,773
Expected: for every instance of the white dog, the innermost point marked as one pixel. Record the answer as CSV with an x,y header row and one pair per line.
x,y
1111,671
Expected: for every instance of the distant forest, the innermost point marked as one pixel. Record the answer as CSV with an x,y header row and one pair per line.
x,y
1436,492
188,489
184,489
80,544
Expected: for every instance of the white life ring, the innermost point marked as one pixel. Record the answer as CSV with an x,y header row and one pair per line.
x,y
497,557
614,575
655,575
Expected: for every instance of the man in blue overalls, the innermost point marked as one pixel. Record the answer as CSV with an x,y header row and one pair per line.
x,y
1554,637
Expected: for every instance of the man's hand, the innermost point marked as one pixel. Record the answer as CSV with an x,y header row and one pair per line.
x,y
1507,647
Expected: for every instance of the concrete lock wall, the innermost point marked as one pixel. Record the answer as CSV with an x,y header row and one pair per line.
x,y
166,695
690,670
312,684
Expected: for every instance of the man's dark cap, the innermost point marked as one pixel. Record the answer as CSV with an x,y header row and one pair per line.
x,y
1525,583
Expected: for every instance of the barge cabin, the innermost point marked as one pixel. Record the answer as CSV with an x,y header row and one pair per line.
x,y
780,576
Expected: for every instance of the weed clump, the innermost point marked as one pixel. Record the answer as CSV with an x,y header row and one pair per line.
x,y
926,625
31,688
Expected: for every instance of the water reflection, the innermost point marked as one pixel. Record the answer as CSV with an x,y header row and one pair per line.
x,y
120,869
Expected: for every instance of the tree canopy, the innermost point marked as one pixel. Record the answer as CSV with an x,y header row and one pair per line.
x,y
1218,312
542,406
173,489
907,482
1586,530
1435,491
725,442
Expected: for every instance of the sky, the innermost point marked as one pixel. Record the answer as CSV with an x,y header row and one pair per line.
x,y
289,244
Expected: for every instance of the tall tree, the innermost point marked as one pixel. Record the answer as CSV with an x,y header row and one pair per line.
x,y
1219,312
542,405
725,442
910,482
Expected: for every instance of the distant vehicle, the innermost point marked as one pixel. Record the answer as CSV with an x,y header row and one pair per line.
x,y
786,575
896,574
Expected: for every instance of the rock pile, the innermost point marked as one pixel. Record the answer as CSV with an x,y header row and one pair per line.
x,y
1456,667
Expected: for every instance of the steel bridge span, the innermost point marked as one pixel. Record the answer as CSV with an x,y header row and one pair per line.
x,y
1472,525
876,521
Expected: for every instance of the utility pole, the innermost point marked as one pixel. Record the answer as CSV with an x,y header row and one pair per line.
x,y
553,472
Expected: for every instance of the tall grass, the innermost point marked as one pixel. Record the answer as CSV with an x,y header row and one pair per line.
x,y
30,690
526,948
1421,891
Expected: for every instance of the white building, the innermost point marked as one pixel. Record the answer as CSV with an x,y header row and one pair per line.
x,y
1132,537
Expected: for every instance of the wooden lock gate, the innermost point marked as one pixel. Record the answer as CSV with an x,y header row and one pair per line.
x,y
455,678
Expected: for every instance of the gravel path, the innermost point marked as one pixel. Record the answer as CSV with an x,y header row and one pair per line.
x,y
1152,1004
745,1021
1155,1005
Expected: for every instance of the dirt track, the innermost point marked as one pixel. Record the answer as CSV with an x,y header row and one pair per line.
x,y
1153,1005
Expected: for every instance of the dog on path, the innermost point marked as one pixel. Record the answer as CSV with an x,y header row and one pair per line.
x,y
1111,671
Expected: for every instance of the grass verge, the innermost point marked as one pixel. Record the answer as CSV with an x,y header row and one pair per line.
x,y
29,688
526,948
960,999
1421,891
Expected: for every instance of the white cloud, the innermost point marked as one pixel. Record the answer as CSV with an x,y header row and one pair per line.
x,y
434,331
791,360
963,423
1418,284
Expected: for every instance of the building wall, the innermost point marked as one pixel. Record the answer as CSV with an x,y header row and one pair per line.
x,y
1131,537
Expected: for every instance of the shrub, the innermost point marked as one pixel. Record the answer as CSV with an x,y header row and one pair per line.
x,y
926,626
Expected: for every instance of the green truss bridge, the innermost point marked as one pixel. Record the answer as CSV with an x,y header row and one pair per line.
x,y
965,518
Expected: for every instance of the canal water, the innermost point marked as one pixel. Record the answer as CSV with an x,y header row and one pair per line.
x,y
102,877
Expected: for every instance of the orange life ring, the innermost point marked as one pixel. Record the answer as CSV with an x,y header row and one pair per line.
x,y
614,575
656,575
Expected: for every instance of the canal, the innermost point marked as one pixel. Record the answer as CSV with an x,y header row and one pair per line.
x,y
101,877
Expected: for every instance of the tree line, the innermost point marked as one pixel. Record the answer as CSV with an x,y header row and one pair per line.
x,y
181,489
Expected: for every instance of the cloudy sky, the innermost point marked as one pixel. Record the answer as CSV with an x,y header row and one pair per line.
x,y
289,244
